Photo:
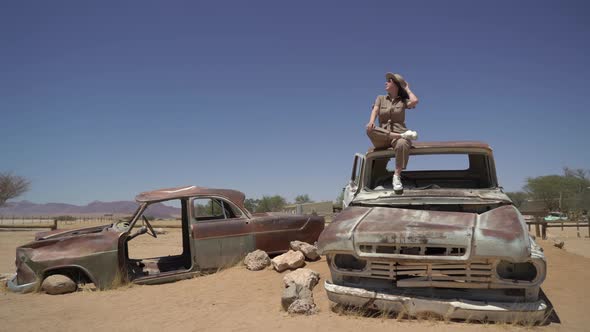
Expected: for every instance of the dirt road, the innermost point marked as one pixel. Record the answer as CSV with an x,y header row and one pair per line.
x,y
240,300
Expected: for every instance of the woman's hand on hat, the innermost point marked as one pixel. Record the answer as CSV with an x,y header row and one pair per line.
x,y
370,126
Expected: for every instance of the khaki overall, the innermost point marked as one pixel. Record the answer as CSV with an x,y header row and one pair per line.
x,y
392,117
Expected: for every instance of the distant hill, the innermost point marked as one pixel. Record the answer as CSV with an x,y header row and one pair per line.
x,y
26,208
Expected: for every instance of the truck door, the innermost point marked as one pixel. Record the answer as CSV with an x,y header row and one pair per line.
x,y
354,183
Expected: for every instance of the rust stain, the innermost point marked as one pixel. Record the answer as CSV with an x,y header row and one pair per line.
x,y
236,197
502,223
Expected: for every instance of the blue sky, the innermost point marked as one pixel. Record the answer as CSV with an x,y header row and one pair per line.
x,y
101,100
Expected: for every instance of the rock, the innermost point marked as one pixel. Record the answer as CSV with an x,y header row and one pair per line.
x,y
558,244
310,252
302,278
297,296
303,306
161,231
305,294
289,260
58,284
257,260
289,296
5,276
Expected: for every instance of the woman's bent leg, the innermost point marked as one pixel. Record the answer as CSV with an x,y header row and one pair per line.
x,y
380,139
402,153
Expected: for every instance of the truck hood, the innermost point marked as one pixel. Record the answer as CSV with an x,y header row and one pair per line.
x,y
411,234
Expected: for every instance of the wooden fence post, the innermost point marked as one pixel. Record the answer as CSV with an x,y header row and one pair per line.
x,y
544,231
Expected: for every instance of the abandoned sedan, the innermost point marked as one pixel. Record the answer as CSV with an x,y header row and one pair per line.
x,y
216,231
452,244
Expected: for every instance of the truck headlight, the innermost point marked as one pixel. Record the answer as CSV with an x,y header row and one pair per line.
x,y
349,263
516,271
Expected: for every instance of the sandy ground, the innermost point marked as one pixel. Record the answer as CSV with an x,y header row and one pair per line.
x,y
240,300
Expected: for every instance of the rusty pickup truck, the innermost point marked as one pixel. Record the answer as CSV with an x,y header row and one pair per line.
x,y
217,231
452,244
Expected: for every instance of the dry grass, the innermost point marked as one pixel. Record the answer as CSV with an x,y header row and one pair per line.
x,y
3,286
119,281
235,263
526,321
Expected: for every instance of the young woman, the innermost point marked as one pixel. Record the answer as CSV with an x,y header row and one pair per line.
x,y
392,131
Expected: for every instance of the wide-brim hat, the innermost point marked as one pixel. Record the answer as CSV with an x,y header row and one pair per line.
x,y
396,77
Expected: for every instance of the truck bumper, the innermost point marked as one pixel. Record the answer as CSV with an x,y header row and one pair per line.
x,y
529,312
24,288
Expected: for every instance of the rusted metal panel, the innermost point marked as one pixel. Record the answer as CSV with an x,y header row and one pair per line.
x,y
436,196
94,253
501,233
498,233
234,196
415,228
446,145
483,310
338,235
271,232
383,225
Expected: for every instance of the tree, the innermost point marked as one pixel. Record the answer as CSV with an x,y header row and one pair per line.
x,y
547,188
12,186
271,204
564,192
301,199
251,204
517,197
579,180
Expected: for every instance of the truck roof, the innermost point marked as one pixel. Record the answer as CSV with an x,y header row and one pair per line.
x,y
444,145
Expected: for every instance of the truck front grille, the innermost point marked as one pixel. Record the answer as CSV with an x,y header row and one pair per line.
x,y
415,250
467,275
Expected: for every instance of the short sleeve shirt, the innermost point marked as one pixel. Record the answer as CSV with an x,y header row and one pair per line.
x,y
392,113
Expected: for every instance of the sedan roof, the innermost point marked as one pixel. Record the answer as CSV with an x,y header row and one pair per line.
x,y
234,196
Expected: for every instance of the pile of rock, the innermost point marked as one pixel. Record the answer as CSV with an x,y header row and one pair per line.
x,y
296,257
310,252
297,296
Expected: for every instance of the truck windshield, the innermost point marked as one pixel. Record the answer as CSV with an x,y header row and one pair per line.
x,y
432,171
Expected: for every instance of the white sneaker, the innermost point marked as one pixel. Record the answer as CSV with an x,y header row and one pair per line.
x,y
409,134
397,183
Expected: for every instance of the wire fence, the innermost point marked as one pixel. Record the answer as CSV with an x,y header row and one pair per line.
x,y
48,221
541,226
